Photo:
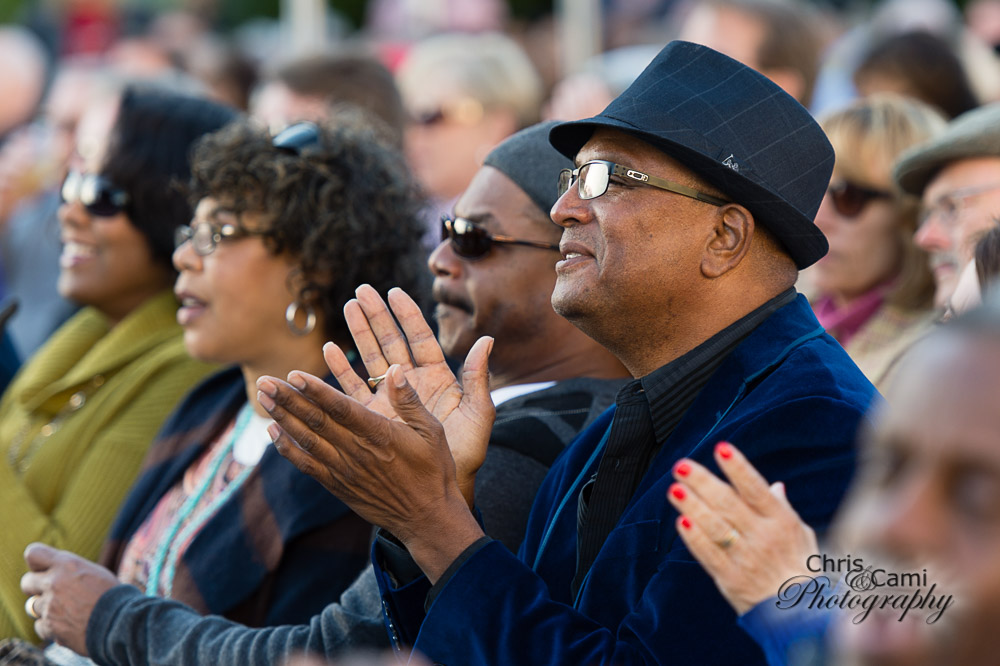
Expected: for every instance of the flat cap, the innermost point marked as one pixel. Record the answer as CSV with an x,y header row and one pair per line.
x,y
975,133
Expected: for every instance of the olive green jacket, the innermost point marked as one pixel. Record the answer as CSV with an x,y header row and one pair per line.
x,y
75,424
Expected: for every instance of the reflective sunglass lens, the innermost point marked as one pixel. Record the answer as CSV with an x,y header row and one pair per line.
x,y
848,201
70,190
470,241
98,196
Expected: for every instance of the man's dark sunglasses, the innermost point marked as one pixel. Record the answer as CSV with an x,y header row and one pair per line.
x,y
295,138
471,242
850,200
98,195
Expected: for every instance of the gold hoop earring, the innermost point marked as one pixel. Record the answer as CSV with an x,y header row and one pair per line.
x,y
292,310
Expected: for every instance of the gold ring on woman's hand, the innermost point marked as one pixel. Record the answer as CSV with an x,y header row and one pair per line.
x,y
730,539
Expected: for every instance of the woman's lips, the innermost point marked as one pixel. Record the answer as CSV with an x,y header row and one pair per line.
x,y
191,308
74,254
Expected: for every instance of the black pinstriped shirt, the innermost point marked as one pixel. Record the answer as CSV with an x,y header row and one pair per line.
x,y
647,411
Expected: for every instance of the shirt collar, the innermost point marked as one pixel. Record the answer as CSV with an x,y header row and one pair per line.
x,y
678,383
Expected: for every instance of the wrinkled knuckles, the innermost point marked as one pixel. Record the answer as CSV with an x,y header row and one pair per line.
x,y
308,442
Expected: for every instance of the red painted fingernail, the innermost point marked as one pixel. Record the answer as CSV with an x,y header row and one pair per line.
x,y
682,469
724,450
677,492
685,522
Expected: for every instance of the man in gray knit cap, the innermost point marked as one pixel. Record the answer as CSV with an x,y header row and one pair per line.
x,y
957,175
493,275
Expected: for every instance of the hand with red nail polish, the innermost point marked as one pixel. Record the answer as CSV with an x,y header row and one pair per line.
x,y
745,533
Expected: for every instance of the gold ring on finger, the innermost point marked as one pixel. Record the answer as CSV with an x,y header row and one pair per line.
x,y
375,381
29,606
730,539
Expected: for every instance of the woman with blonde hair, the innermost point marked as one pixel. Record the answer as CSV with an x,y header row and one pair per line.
x,y
874,289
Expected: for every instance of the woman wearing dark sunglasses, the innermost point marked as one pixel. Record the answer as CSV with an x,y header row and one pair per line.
x,y
283,231
874,289
77,420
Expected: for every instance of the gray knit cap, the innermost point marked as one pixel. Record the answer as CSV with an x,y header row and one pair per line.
x,y
532,163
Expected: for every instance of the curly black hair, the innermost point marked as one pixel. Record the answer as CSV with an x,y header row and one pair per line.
x,y
345,208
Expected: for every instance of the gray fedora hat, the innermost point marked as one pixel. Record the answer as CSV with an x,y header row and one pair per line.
x,y
975,133
736,129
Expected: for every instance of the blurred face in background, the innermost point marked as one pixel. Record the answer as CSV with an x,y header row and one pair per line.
x,y
449,135
106,262
961,201
861,224
278,106
927,496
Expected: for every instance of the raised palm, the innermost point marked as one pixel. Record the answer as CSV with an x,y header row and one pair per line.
x,y
466,418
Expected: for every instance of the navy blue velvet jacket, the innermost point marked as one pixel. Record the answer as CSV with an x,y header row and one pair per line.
x,y
788,396
277,552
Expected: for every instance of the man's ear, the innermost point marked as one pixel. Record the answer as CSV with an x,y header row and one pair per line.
x,y
730,240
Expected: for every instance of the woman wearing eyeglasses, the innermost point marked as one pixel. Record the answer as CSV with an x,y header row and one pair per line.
x,y
874,289
283,231
77,420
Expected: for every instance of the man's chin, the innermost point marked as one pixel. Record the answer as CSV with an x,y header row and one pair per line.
x,y
455,340
945,282
568,302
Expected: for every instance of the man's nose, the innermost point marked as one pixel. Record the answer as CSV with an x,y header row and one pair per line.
x,y
932,235
570,209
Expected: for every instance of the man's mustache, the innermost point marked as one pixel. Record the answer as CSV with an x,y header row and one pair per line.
x,y
443,298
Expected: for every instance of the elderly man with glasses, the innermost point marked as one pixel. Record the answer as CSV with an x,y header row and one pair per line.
x,y
957,175
684,226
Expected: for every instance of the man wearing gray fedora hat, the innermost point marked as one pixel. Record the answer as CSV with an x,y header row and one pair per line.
x,y
957,176
685,219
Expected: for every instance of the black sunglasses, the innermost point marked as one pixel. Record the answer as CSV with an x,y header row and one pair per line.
x,y
295,138
471,242
98,195
850,200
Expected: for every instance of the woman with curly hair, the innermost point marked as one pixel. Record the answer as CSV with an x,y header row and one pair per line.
x,y
283,230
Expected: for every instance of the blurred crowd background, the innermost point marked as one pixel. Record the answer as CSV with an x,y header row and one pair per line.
x,y
445,81
448,79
